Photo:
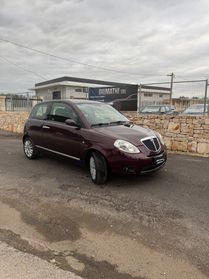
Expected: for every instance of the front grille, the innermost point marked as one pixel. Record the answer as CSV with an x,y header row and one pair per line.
x,y
152,143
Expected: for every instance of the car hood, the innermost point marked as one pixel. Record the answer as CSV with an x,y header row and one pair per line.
x,y
132,134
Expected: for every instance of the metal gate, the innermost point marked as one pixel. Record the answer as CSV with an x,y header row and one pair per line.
x,y
20,103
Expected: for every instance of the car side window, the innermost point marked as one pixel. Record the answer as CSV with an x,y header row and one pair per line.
x,y
39,112
60,112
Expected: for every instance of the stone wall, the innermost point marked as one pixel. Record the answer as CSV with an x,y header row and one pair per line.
x,y
13,121
181,133
187,134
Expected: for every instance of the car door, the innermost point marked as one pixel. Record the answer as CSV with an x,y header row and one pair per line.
x,y
60,137
34,125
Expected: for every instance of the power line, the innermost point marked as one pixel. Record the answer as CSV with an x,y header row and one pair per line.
x,y
182,81
20,67
74,61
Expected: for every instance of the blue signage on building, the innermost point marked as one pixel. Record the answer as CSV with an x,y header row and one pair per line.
x,y
107,94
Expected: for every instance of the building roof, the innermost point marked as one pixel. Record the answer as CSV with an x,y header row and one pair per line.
x,y
66,84
77,82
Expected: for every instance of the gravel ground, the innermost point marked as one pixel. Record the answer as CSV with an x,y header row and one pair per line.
x,y
151,227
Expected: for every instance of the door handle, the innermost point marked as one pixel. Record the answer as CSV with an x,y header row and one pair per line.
x,y
45,127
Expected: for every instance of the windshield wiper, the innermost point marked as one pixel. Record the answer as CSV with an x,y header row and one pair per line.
x,y
120,122
129,124
100,124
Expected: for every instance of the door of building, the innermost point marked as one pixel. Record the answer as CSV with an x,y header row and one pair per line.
x,y
56,95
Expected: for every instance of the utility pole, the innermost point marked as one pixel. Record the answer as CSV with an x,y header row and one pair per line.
x,y
208,102
205,99
139,98
171,87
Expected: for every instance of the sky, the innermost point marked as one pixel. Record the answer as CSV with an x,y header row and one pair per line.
x,y
130,41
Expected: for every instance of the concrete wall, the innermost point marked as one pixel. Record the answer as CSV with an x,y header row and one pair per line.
x,y
187,134
66,92
46,93
72,93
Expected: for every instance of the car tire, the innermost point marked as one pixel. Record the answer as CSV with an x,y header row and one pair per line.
x,y
98,168
29,148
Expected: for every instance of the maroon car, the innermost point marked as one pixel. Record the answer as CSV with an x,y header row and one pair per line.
x,y
93,133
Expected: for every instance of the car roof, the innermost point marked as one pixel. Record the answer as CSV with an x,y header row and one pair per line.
x,y
76,101
148,106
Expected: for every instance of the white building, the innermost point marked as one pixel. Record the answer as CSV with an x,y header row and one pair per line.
x,y
153,95
79,88
70,87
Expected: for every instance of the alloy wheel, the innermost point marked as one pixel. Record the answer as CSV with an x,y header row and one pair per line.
x,y
92,166
28,148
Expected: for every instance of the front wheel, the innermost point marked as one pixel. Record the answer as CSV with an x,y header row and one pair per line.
x,y
29,148
98,168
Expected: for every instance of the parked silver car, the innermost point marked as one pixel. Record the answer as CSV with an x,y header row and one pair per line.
x,y
157,109
197,109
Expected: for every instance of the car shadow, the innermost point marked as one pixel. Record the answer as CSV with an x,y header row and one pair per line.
x,y
115,181
133,181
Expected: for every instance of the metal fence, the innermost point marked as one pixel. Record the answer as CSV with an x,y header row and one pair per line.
x,y
21,102
151,95
185,93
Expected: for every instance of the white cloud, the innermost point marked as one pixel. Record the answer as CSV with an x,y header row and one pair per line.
x,y
151,37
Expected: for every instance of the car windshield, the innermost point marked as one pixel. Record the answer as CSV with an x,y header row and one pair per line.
x,y
195,109
151,109
101,114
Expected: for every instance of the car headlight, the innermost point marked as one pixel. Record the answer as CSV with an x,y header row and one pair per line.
x,y
126,146
160,138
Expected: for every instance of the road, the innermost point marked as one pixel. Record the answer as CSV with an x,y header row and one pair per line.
x,y
19,265
154,226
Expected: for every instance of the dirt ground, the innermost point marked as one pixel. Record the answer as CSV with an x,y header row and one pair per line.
x,y
154,226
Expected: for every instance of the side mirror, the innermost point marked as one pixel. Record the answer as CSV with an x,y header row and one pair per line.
x,y
71,122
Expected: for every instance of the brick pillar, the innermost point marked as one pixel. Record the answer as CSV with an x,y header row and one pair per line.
x,y
2,103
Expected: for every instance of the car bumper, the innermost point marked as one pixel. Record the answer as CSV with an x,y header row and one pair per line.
x,y
137,163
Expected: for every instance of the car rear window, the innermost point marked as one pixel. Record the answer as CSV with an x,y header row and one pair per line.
x,y
39,112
